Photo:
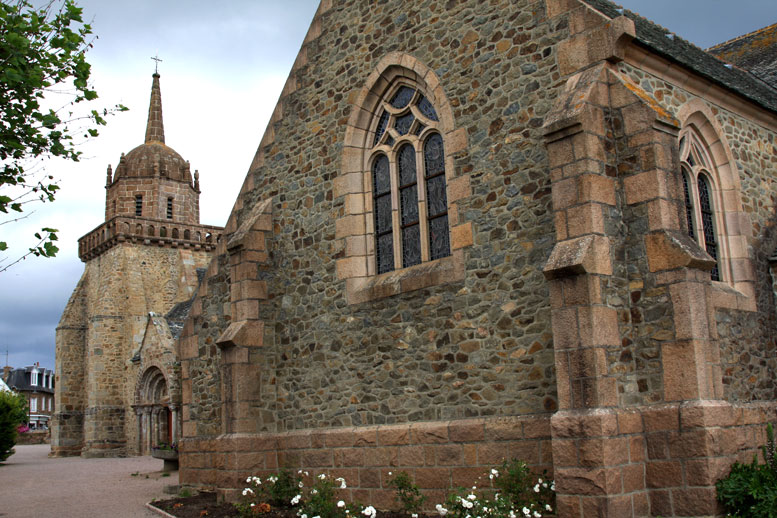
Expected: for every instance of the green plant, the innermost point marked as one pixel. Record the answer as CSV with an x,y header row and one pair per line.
x,y
185,492
517,493
750,490
13,412
408,495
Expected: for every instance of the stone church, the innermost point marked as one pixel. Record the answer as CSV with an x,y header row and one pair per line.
x,y
118,389
472,231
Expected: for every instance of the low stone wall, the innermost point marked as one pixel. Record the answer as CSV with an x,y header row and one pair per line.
x,y
437,455
36,437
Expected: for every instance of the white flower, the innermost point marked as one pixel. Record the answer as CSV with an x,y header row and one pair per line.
x,y
340,504
248,480
304,516
494,473
247,491
322,476
472,497
466,504
539,481
295,500
369,511
253,504
440,509
545,485
548,507
342,482
390,473
316,516
526,511
537,514
301,485
553,486
414,515
512,514
537,488
306,474
314,491
257,481
299,472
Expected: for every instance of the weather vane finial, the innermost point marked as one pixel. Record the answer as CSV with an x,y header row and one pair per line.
x,y
156,65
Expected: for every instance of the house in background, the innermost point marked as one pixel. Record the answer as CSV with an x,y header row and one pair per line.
x,y
37,385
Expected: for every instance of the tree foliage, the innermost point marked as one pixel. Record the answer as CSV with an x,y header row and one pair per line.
x,y
42,58
13,412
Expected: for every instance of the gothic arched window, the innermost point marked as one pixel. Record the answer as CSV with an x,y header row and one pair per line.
x,y
699,191
410,205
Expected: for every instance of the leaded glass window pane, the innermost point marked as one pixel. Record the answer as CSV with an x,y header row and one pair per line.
x,y
434,162
435,194
688,207
409,200
427,109
708,224
380,175
411,246
403,123
381,128
381,179
418,129
439,238
383,214
385,253
403,97
390,141
407,170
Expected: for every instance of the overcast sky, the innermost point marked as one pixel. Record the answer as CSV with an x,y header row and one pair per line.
x,y
224,65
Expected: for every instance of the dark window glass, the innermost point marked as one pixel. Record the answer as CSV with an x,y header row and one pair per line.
x,y
380,175
383,228
407,165
411,246
169,208
427,109
408,196
439,240
403,97
389,141
708,224
382,122
688,207
436,197
138,205
418,129
403,123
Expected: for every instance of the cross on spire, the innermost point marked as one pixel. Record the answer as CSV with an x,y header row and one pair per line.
x,y
156,65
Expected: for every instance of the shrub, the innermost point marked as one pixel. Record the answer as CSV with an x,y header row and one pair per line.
x,y
408,495
750,490
13,412
517,493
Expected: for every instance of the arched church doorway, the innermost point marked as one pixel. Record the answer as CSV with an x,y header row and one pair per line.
x,y
157,416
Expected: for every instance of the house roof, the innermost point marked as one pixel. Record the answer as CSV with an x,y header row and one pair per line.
x,y
19,380
756,52
672,47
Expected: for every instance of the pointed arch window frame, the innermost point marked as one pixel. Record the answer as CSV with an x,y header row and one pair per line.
x,y
732,223
356,224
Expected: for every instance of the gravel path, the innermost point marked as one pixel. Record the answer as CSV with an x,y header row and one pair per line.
x,y
33,485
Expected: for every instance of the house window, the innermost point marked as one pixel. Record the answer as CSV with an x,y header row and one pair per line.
x,y
699,192
33,404
138,205
169,208
410,207
34,378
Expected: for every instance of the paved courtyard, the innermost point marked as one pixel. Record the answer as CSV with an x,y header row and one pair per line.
x,y
33,485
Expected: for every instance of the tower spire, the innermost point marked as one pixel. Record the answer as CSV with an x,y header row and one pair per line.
x,y
155,129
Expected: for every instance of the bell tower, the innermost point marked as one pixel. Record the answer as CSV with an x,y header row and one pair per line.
x,y
118,329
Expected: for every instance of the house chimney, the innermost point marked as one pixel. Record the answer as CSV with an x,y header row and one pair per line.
x,y
7,372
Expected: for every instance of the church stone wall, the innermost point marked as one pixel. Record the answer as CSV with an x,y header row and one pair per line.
x,y
746,337
120,199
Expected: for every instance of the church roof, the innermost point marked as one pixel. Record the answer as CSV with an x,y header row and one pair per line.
x,y
154,158
661,41
756,52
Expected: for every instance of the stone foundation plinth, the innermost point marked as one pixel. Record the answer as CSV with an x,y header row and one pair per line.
x,y
437,455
